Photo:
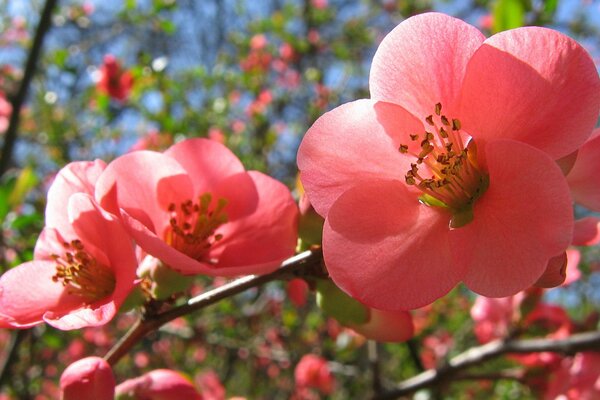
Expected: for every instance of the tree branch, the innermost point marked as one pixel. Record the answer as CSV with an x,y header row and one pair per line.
x,y
589,341
308,263
10,137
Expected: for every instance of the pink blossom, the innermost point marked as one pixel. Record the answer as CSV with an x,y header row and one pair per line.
x,y
258,42
160,384
216,134
297,290
319,4
201,212
313,371
493,317
84,261
152,140
434,181
88,378
211,386
5,111
577,378
114,81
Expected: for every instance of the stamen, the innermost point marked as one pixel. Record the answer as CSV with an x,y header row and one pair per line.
x,y
456,182
192,225
81,273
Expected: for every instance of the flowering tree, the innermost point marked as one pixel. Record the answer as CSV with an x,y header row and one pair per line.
x,y
299,199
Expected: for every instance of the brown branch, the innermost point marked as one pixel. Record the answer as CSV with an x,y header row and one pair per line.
x,y
308,263
10,137
589,341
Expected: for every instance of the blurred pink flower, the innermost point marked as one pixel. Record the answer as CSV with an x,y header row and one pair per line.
x,y
577,378
84,262
153,140
258,42
434,181
5,111
216,134
319,4
211,386
88,378
297,290
493,317
313,371
160,384
114,81
201,211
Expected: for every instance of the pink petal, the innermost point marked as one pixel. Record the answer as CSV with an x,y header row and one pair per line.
x,y
584,178
573,272
259,242
524,219
157,247
534,85
206,161
82,317
75,177
422,62
387,326
384,248
104,230
354,143
587,232
144,183
555,273
27,292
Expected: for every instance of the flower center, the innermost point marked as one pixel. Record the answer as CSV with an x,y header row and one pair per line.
x,y
446,170
193,225
81,274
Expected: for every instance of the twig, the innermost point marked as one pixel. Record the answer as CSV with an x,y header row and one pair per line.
x,y
589,341
308,263
373,354
17,101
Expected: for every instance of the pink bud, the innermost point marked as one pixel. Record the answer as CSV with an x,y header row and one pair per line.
x,y
88,378
160,384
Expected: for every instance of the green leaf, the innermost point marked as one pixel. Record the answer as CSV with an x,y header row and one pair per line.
x,y
508,14
337,304
25,182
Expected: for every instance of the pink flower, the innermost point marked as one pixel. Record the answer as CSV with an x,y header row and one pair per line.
x,y
211,386
160,384
493,317
448,173
577,378
114,81
313,371
84,262
5,111
195,208
297,290
88,378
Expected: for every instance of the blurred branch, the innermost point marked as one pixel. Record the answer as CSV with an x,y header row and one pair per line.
x,y
589,341
308,263
17,101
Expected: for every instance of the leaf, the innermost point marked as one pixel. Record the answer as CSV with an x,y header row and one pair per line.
x,y
508,14
337,304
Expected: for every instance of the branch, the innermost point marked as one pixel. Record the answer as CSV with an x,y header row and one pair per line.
x,y
308,263
478,355
17,101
